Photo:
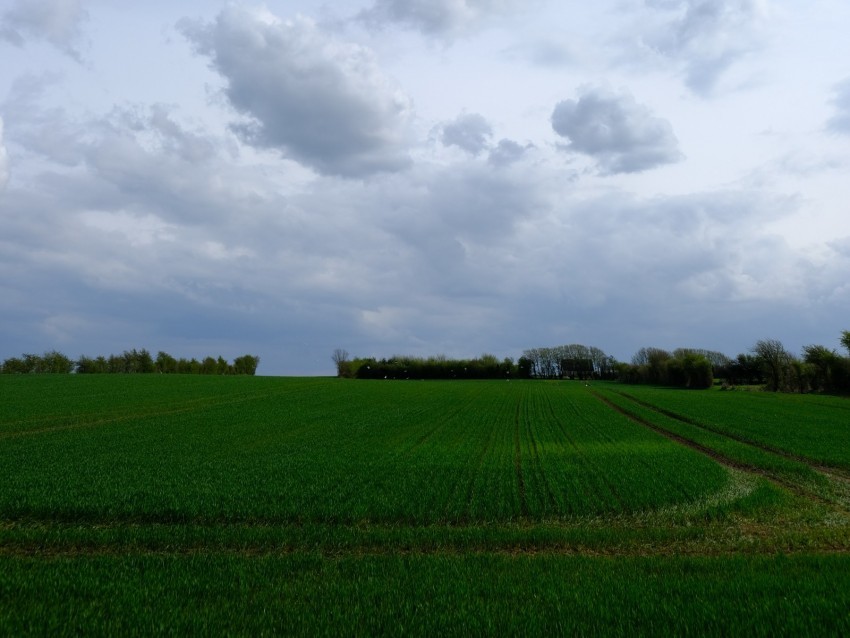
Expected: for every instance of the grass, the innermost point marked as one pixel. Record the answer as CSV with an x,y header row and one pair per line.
x,y
816,428
157,504
731,449
370,452
426,595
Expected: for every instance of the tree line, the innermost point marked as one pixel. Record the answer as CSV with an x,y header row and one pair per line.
x,y
818,369
767,363
683,368
486,366
128,362
573,361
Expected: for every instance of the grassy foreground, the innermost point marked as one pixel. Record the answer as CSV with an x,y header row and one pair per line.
x,y
426,595
139,505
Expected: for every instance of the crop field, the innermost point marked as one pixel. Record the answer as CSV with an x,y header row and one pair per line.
x,y
815,427
251,505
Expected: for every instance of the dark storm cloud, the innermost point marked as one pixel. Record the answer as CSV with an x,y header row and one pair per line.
x,y
56,21
322,102
620,134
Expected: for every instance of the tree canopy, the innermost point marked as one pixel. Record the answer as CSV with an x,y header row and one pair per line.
x,y
129,362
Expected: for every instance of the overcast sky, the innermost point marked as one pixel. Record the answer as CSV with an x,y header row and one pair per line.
x,y
422,176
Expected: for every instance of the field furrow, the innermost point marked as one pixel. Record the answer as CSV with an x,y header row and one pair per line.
x,y
814,429
793,472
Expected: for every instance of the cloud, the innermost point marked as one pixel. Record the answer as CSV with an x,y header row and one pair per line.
x,y
444,18
46,132
469,131
840,122
550,53
538,264
148,232
4,160
620,134
57,21
160,238
507,152
147,225
707,36
320,101
681,268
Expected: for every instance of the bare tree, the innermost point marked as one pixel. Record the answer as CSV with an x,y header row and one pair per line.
x,y
775,360
340,359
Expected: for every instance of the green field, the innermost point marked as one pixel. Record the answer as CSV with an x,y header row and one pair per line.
x,y
250,505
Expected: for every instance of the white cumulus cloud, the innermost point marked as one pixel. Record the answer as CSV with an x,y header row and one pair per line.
x,y
708,36
320,101
507,152
620,134
57,21
444,18
469,131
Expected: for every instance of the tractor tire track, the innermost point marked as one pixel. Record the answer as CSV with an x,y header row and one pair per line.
x,y
523,500
812,463
585,459
721,458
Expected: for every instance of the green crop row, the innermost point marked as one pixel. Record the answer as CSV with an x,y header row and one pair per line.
x,y
424,595
814,427
254,506
731,450
328,451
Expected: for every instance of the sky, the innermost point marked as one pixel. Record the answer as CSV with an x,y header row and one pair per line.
x,y
422,177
